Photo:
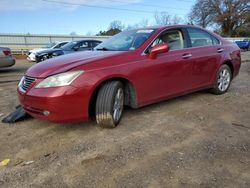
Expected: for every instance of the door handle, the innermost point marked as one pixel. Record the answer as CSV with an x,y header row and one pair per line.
x,y
220,50
186,56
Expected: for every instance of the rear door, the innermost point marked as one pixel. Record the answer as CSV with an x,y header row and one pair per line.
x,y
207,53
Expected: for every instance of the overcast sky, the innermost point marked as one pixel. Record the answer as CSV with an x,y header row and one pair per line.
x,y
82,16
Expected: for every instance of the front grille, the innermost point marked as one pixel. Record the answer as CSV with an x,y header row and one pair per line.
x,y
27,81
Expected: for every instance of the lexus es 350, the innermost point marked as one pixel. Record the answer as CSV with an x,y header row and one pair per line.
x,y
133,68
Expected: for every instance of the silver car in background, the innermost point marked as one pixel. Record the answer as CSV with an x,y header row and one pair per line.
x,y
6,59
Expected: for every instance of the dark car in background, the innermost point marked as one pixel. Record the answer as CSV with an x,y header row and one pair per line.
x,y
74,46
6,59
31,55
244,44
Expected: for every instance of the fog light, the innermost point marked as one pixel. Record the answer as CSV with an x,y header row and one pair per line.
x,y
46,113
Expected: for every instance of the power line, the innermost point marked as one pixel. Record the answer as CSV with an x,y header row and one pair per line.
x,y
97,6
148,5
187,1
101,7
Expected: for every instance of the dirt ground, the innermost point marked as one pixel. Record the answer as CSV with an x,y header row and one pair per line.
x,y
198,140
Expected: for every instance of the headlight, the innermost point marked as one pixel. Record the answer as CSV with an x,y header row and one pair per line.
x,y
63,79
21,82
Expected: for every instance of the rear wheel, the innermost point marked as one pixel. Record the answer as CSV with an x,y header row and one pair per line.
x,y
109,104
223,80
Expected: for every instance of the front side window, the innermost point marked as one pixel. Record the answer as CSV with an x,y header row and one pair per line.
x,y
69,45
201,38
84,44
59,45
173,38
126,41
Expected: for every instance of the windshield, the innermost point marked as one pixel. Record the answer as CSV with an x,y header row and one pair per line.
x,y
126,41
69,45
59,45
50,45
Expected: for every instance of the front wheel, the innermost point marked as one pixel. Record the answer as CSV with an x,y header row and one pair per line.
x,y
223,80
109,104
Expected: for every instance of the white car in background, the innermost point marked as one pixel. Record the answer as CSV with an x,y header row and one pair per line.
x,y
31,55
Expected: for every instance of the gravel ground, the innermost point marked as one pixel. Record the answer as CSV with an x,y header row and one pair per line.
x,y
198,140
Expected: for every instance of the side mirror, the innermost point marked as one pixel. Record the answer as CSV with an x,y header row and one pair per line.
x,y
158,49
76,48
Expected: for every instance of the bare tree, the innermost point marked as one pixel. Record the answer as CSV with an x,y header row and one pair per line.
x,y
200,15
115,27
89,33
116,24
143,23
176,20
164,18
227,14
73,33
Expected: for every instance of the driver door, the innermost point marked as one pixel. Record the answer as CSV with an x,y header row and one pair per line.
x,y
170,73
85,45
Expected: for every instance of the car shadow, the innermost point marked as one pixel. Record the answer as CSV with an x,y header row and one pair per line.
x,y
13,70
127,111
168,101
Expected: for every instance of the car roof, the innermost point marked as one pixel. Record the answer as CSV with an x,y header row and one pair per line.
x,y
58,42
163,27
86,40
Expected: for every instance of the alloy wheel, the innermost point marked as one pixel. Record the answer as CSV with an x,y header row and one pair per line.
x,y
224,80
118,105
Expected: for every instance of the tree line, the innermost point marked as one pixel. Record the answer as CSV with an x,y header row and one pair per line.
x,y
230,18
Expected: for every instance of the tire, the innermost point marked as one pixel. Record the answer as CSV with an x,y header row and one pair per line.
x,y
223,80
109,104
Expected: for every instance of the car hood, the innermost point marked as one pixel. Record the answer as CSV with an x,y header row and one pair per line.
x,y
37,50
67,62
48,51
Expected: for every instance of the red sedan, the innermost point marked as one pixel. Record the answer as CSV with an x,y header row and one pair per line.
x,y
134,68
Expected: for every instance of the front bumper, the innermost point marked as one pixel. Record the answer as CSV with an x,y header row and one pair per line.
x,y
31,57
65,104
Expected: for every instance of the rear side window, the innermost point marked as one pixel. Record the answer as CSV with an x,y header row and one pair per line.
x,y
201,38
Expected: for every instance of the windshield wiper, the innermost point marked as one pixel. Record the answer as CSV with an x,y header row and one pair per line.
x,y
102,49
